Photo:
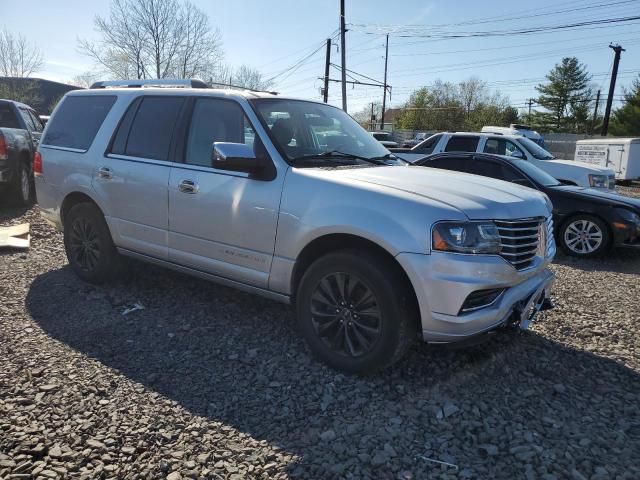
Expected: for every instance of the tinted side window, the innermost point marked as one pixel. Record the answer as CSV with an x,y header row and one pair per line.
x,y
486,169
77,120
36,121
215,120
513,175
428,145
459,164
28,121
501,146
152,127
462,144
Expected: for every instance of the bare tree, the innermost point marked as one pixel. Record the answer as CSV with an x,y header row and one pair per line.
x,y
249,77
84,80
18,58
154,39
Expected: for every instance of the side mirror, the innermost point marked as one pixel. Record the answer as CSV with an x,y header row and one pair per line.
x,y
516,154
238,157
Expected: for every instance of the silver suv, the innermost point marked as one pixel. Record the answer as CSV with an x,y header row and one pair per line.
x,y
292,200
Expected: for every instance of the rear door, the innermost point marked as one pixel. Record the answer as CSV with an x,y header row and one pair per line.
x,y
221,222
132,178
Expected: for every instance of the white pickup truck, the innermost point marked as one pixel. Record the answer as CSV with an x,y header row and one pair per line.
x,y
566,171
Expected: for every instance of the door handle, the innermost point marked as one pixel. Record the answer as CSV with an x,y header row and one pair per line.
x,y
188,186
105,172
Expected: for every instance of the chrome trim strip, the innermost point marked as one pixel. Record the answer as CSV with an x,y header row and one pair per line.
x,y
64,149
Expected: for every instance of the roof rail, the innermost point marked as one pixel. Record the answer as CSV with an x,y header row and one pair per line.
x,y
158,82
239,87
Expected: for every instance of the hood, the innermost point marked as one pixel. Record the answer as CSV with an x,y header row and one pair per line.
x,y
571,164
479,198
611,198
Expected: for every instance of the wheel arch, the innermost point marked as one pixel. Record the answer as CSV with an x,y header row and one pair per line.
x,y
74,198
334,242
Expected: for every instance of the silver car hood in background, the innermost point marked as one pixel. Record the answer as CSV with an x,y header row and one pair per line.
x,y
475,196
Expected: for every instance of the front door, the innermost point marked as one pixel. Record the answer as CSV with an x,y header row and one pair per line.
x,y
132,179
221,222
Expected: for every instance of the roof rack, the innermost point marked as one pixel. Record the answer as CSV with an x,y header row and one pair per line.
x,y
239,87
158,82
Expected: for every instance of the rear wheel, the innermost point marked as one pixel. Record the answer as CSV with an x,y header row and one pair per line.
x,y
353,311
23,187
88,244
584,236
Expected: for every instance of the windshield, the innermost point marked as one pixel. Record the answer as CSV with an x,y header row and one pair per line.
x,y
318,132
536,174
535,150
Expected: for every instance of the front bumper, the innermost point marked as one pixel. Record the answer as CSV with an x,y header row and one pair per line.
x,y
442,282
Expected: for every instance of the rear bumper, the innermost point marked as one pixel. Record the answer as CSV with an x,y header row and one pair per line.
x,y
443,281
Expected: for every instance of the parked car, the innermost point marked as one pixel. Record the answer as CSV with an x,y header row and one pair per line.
x,y
20,131
516,129
568,172
587,221
385,139
417,138
620,154
373,253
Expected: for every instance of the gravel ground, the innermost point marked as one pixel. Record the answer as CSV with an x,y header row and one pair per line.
x,y
208,382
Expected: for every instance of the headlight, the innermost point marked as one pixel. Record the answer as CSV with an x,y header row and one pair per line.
x,y
629,216
599,181
466,237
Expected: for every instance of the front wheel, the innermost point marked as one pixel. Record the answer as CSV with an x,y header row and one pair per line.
x,y
584,236
354,313
88,244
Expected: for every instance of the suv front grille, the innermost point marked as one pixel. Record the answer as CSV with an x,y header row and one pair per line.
x,y
522,240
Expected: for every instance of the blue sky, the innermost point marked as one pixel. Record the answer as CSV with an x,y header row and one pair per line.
x,y
274,35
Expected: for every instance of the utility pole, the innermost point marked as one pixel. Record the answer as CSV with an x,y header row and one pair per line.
x,y
384,93
343,57
595,113
325,92
372,119
612,86
530,102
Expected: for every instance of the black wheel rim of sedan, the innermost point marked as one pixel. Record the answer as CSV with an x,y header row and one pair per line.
x,y
345,314
84,244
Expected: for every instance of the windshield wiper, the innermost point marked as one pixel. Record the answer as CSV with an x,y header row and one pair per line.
x,y
337,153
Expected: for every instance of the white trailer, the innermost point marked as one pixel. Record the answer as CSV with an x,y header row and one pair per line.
x,y
620,154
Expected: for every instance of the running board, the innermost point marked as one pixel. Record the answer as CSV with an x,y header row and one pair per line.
x,y
278,297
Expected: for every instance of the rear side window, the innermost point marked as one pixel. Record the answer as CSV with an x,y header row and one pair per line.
x,y
152,127
462,144
459,164
77,120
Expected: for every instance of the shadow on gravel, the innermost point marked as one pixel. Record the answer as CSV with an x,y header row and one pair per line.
x,y
237,359
619,260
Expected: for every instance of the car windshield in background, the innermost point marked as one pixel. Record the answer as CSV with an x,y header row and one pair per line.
x,y
539,176
534,149
312,133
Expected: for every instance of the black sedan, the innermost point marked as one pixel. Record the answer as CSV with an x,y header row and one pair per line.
x,y
587,221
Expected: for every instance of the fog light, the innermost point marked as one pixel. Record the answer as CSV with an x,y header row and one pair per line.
x,y
480,299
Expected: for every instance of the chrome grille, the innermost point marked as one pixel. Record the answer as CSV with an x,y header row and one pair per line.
x,y
522,240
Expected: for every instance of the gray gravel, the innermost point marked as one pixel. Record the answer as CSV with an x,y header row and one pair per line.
x,y
208,382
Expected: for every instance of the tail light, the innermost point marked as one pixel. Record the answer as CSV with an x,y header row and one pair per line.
x,y
37,164
4,154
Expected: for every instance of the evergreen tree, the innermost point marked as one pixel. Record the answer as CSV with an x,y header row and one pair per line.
x,y
626,119
566,96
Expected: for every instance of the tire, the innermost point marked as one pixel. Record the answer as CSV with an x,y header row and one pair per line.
x,y
88,244
376,308
584,236
23,190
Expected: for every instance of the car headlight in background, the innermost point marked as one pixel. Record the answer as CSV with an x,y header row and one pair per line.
x,y
599,181
466,237
629,216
